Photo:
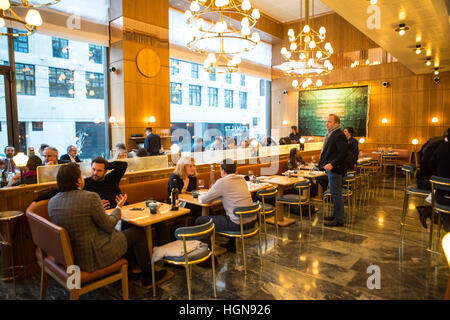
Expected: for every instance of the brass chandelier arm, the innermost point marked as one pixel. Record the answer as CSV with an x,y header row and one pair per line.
x,y
30,29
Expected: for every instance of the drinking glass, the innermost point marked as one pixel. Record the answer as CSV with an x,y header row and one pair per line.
x,y
201,184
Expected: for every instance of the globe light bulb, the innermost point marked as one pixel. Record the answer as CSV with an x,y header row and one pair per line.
x,y
33,18
283,51
200,23
322,30
311,62
307,39
293,46
245,22
295,83
384,120
428,63
415,141
246,5
2,22
319,83
418,51
255,37
187,14
256,14
291,33
195,6
245,31
319,54
373,2
312,44
302,56
4,4
327,46
302,140
212,58
362,140
435,120
306,29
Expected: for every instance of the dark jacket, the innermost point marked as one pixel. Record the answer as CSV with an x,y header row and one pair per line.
x,y
354,149
66,157
335,152
152,144
295,137
440,167
108,188
426,153
179,183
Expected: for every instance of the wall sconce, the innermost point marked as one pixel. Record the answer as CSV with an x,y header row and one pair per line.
x,y
384,121
415,141
152,119
435,120
285,123
362,140
112,120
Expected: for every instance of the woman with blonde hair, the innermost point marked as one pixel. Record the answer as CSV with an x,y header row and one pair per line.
x,y
185,179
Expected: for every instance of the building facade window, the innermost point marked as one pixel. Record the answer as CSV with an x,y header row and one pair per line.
x,y
213,97
20,43
60,82
212,75
95,85
194,71
243,100
243,80
228,78
37,126
60,48
174,66
228,98
176,93
95,54
195,95
25,79
262,88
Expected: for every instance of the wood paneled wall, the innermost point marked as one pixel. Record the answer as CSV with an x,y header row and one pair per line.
x,y
409,103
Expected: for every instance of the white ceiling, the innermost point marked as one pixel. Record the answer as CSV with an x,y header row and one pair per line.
x,y
287,10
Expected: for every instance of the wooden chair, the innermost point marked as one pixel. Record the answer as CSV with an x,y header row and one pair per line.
x,y
267,208
54,254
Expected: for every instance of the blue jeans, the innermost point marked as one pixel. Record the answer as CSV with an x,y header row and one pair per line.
x,y
335,183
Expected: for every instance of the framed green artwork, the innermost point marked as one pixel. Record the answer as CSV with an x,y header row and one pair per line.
x,y
350,104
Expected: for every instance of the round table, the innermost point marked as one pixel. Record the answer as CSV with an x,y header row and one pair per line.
x,y
8,222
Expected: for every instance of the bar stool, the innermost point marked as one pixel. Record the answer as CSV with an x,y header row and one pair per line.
x,y
410,191
389,160
267,208
440,184
8,222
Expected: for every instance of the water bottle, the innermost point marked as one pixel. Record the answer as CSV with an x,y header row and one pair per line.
x,y
212,178
174,196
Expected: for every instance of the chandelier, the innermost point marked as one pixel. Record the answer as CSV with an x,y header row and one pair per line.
x,y
305,56
213,31
32,19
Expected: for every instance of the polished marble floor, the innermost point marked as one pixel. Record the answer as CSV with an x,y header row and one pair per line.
x,y
306,261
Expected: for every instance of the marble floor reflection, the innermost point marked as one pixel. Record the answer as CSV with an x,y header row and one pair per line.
x,y
306,262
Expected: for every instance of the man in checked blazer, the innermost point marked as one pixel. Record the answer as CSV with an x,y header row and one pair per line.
x,y
95,242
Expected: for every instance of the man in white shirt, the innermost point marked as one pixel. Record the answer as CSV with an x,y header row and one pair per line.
x,y
233,191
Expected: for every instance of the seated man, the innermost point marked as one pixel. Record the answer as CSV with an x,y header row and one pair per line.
x,y
233,191
8,163
94,240
71,155
51,157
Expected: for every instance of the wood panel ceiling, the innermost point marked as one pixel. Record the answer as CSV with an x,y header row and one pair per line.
x,y
288,10
428,21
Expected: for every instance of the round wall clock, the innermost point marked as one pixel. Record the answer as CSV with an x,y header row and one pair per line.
x,y
148,63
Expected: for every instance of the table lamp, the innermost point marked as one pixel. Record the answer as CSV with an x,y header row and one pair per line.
x,y
21,161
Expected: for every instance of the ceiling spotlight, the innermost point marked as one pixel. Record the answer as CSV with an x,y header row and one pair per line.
x,y
373,1
402,29
418,49
428,63
436,71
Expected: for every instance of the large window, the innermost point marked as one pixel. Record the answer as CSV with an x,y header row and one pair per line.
x,y
174,66
25,80
95,53
60,82
228,98
20,43
195,95
243,100
194,71
243,80
60,48
213,97
176,96
212,76
95,85
228,78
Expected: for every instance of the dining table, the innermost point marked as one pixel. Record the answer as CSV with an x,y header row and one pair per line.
x,y
283,183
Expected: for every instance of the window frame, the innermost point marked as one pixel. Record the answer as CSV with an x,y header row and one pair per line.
x,y
21,66
58,87
197,90
173,93
241,95
60,47
229,99
99,83
18,41
213,97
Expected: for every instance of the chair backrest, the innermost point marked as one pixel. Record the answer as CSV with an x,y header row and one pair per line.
x,y
40,208
267,193
52,239
248,212
389,158
195,232
440,183
302,185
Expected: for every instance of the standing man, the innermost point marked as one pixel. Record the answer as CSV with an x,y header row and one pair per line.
x,y
332,160
71,155
8,163
152,142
